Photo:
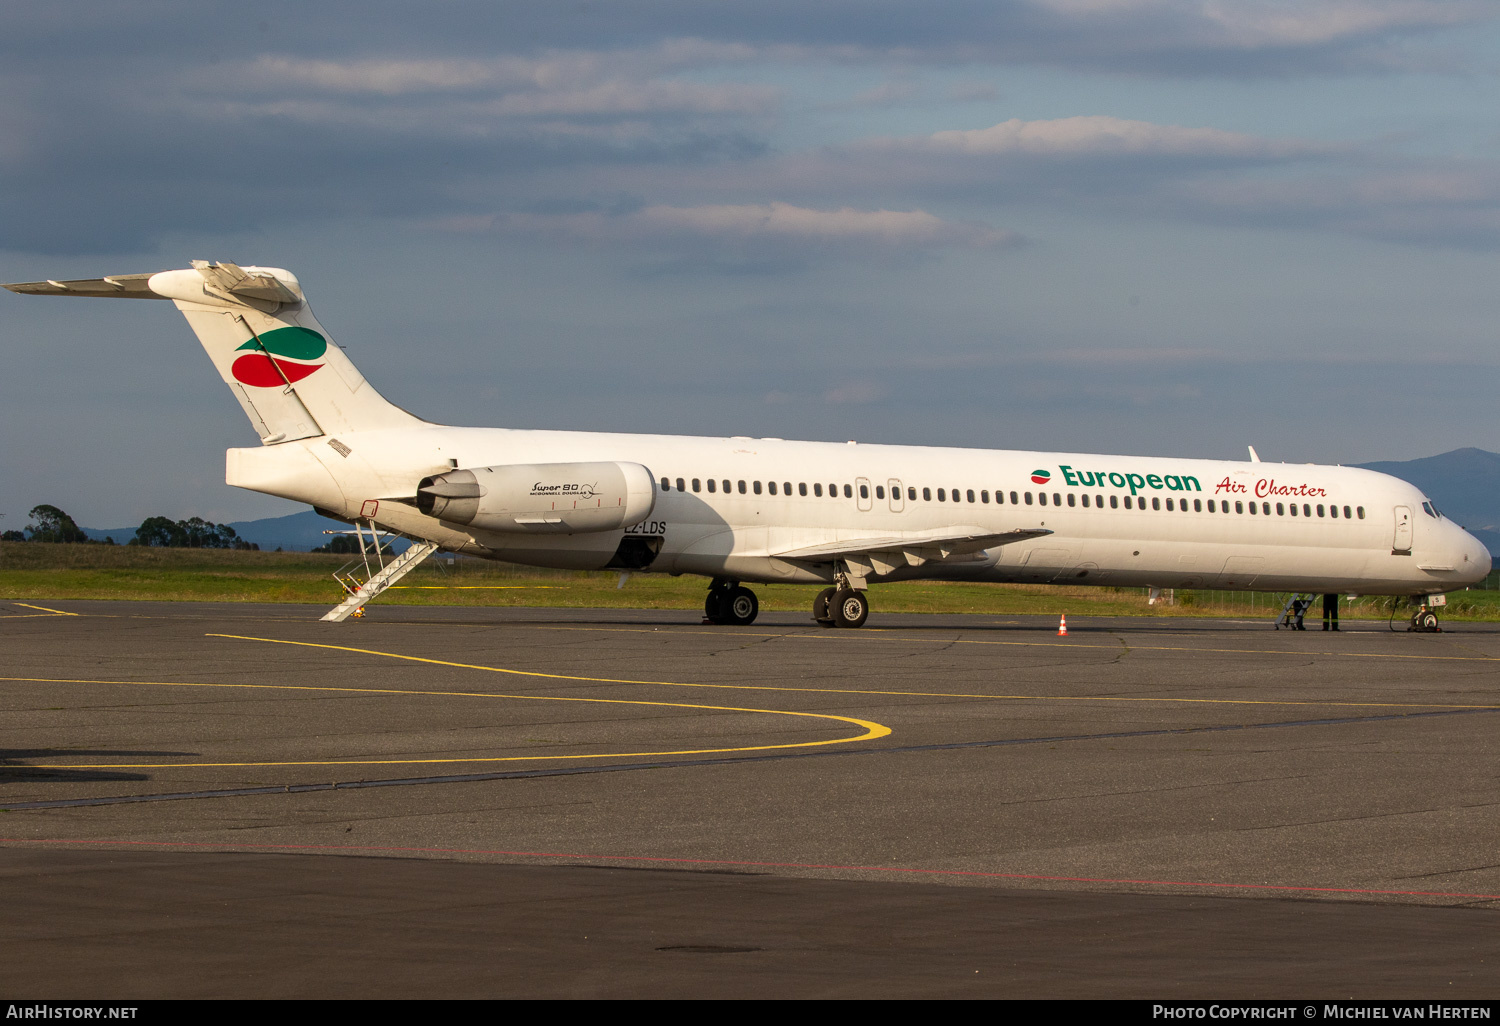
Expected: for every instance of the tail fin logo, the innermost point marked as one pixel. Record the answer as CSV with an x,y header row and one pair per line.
x,y
291,349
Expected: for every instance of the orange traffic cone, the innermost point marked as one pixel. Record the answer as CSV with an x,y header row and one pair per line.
x,y
1062,626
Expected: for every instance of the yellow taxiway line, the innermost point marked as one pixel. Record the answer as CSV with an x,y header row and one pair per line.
x,y
871,729
869,691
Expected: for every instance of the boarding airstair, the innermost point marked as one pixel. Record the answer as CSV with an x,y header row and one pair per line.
x,y
377,580
1288,617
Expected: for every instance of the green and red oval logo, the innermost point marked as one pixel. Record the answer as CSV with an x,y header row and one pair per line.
x,y
1041,476
291,349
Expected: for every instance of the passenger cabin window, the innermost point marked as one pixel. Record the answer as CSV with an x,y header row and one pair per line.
x,y
1361,511
942,495
864,491
1114,502
848,492
1292,506
726,486
1028,498
801,487
1197,505
742,487
786,488
880,491
1239,507
911,492
1012,498
1085,500
926,494
756,486
1071,500
1346,514
1306,510
711,486
681,485
817,489
697,485
970,495
666,485
1155,502
1041,498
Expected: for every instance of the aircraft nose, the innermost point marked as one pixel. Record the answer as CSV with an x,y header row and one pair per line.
x,y
1479,555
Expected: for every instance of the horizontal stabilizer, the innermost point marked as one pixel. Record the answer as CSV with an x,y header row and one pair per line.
x,y
259,287
117,286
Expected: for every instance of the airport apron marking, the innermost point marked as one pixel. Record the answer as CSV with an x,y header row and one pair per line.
x,y
871,691
873,635
44,609
872,730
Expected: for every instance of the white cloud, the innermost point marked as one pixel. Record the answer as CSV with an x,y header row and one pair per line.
x,y
1094,135
1254,24
774,223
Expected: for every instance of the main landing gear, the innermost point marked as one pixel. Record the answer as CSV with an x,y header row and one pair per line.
x,y
841,606
730,604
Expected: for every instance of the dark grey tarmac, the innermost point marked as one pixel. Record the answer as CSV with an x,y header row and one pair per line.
x,y
236,800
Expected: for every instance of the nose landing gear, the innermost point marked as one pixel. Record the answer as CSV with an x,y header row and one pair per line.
x,y
730,604
1424,621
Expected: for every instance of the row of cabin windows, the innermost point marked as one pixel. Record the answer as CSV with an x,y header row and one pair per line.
x,y
770,486
1017,498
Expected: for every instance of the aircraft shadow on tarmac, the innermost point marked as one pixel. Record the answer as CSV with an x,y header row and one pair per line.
x,y
12,769
1033,624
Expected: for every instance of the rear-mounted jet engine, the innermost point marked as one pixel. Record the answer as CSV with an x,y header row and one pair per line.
x,y
548,498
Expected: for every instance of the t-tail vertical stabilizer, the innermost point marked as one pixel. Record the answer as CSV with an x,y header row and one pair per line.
x,y
291,379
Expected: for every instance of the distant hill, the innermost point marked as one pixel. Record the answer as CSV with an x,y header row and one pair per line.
x,y
296,532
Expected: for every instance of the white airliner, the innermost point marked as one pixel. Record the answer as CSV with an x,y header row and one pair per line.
x,y
841,515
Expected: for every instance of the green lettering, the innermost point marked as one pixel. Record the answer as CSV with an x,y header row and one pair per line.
x,y
1118,480
1174,483
1186,480
1153,480
1068,476
1136,481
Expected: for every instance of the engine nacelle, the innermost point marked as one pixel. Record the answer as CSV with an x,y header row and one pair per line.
x,y
541,498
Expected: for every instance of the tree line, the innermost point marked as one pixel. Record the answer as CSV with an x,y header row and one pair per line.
x,y
50,524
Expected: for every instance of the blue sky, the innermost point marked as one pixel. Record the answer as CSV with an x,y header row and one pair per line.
x,y
1147,226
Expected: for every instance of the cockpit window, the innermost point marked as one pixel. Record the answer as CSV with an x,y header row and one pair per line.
x,y
1430,510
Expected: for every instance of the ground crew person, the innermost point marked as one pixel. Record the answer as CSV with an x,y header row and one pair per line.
x,y
1331,611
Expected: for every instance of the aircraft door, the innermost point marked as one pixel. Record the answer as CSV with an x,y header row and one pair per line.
x,y
898,501
862,494
1402,542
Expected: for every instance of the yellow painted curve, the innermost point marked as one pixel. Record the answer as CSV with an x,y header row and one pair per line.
x,y
871,730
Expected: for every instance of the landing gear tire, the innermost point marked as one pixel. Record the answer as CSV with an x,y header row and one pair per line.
x,y
823,607
1425,621
740,607
713,606
849,608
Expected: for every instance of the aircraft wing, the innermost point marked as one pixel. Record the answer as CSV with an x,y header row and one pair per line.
x,y
885,552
